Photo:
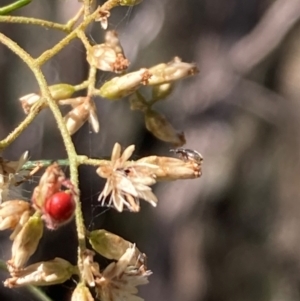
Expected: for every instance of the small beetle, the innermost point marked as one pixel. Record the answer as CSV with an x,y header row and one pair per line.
x,y
188,154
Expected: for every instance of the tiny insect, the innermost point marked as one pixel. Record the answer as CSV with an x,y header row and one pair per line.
x,y
188,154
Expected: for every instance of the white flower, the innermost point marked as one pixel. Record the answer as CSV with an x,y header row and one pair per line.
x,y
126,183
120,279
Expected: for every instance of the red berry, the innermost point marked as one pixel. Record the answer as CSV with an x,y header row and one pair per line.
x,y
60,207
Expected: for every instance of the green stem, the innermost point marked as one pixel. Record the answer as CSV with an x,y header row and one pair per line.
x,y
13,6
81,86
81,35
21,127
92,80
87,9
44,163
81,160
71,152
108,5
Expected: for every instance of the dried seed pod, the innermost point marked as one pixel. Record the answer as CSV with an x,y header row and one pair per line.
x,y
11,213
26,242
161,128
125,85
170,169
42,273
172,71
84,110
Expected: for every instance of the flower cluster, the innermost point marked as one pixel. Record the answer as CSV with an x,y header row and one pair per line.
x,y
129,181
56,199
53,204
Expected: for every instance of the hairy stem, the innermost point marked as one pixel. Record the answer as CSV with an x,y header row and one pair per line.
x,y
43,23
45,56
71,152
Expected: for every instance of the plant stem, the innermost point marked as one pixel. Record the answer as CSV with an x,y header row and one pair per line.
x,y
81,35
45,56
13,6
44,23
72,156
21,127
44,163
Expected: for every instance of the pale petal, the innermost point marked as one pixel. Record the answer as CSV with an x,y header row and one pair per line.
x,y
126,185
118,201
93,120
116,153
148,196
126,154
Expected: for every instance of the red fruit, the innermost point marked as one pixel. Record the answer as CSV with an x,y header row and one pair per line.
x,y
59,207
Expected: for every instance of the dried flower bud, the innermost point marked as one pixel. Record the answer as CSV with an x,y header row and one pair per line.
x,y
174,70
129,2
61,91
28,100
122,86
58,92
161,91
26,242
9,170
82,293
11,213
84,109
161,128
170,169
89,267
112,246
108,56
42,273
103,18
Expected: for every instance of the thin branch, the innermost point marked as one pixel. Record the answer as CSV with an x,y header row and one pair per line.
x,y
45,56
43,23
21,127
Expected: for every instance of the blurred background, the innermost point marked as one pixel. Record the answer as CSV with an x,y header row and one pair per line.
x,y
233,234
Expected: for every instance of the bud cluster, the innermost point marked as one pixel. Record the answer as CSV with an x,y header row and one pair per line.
x,y
53,203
